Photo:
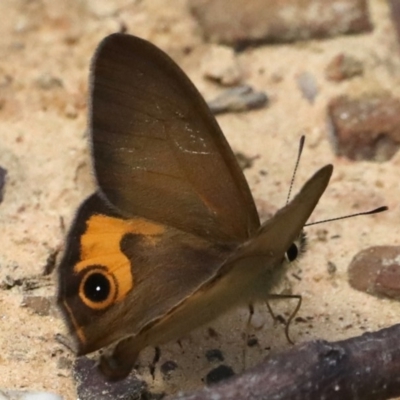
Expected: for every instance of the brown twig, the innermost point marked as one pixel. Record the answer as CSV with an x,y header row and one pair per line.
x,y
366,367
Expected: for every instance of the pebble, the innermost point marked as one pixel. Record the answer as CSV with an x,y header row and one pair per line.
x,y
245,162
214,355
395,14
252,341
6,394
238,99
376,271
218,374
258,319
241,23
168,366
308,86
365,128
38,304
106,8
91,384
47,81
343,67
3,176
220,65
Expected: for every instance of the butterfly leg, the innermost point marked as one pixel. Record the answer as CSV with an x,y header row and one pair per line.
x,y
246,339
292,315
270,310
119,364
251,313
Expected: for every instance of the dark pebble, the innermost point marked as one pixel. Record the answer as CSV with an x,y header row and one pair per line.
x,y
3,176
218,374
92,385
168,367
214,355
252,341
238,99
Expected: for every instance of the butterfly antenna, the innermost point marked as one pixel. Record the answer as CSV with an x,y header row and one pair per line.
x,y
375,211
301,145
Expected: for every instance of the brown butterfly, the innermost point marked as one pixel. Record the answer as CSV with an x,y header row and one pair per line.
x,y
171,239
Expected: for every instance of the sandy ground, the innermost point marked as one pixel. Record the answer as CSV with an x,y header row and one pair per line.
x,y
45,51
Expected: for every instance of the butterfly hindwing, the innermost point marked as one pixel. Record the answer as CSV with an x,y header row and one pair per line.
x,y
118,274
248,275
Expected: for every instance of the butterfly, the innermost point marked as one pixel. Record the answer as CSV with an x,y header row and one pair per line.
x,y
171,239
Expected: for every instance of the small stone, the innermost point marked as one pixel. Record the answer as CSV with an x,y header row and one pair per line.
x,y
70,111
366,128
9,282
48,82
167,367
258,319
395,14
332,268
38,304
147,395
279,318
376,271
64,363
322,235
91,384
6,394
214,355
240,98
241,22
212,333
3,177
244,161
318,277
23,25
105,8
6,81
252,341
220,65
343,67
218,374
308,86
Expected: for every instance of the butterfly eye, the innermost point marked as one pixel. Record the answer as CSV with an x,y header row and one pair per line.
x,y
297,248
98,289
292,252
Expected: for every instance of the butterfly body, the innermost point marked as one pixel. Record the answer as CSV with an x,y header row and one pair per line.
x,y
172,238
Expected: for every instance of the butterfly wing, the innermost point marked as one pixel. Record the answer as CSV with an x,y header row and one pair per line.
x,y
158,151
117,275
174,202
248,275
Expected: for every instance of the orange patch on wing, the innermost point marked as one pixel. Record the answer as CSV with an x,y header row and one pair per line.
x,y
100,245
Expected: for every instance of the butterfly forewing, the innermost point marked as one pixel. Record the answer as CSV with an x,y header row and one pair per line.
x,y
158,151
